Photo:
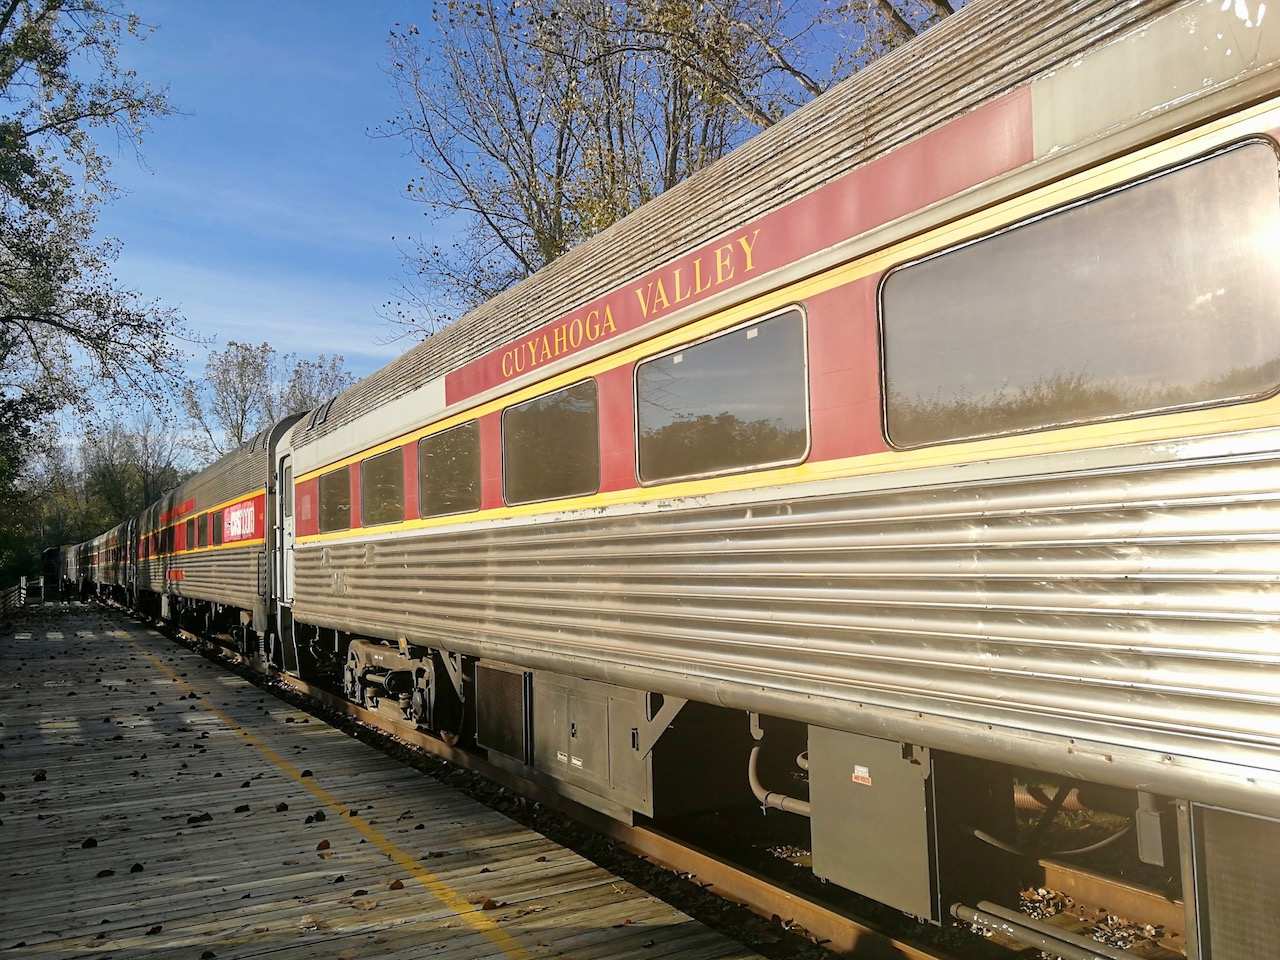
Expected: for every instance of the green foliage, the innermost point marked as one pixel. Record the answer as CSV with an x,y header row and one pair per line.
x,y
1060,398
691,445
70,335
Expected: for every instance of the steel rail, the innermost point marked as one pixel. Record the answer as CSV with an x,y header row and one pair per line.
x,y
1048,941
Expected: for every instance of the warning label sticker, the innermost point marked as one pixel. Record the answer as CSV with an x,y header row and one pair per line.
x,y
861,775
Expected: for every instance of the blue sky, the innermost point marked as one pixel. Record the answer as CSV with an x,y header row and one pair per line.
x,y
264,211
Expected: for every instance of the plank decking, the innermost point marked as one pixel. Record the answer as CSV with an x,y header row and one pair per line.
x,y
154,805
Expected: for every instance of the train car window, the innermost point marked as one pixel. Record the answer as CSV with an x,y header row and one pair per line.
x,y
382,488
216,523
1159,295
551,445
202,530
191,534
736,401
449,471
335,501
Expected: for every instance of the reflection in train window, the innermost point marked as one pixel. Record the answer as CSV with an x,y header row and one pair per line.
x,y
382,488
449,471
335,501
551,445
216,522
1156,296
734,402
202,530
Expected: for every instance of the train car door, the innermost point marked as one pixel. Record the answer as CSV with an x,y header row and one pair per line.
x,y
284,524
285,500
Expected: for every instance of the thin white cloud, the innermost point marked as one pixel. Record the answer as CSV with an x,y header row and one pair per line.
x,y
309,216
295,313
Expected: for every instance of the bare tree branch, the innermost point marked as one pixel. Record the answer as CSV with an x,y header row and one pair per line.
x,y
542,123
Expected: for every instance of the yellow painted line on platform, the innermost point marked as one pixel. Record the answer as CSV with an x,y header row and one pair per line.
x,y
438,888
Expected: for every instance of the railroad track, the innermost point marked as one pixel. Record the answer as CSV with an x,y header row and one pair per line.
x,y
1082,901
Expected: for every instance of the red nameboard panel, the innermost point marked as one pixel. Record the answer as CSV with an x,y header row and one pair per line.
x,y
991,140
243,520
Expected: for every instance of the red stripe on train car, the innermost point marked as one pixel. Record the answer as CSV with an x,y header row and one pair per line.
x,y
491,461
991,140
844,372
306,504
617,429
356,506
409,453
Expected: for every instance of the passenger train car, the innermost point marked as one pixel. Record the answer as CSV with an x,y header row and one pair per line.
x,y
938,423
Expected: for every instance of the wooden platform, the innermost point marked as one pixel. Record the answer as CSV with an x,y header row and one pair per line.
x,y
156,806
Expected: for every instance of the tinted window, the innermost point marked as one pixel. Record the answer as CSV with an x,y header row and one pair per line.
x,y
449,471
286,491
736,401
1162,294
191,534
202,530
216,522
335,501
382,488
551,445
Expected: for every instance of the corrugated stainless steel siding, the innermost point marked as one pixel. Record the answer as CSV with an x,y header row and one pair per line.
x,y
241,472
224,576
986,49
1135,607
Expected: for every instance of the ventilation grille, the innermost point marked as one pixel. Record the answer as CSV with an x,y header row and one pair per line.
x,y
1240,860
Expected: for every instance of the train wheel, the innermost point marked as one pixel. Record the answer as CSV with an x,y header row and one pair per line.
x,y
418,706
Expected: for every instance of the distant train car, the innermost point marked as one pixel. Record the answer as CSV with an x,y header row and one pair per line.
x,y
939,423
202,549
51,568
109,569
199,553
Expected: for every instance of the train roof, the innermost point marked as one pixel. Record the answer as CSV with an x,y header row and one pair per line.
x,y
236,472
986,49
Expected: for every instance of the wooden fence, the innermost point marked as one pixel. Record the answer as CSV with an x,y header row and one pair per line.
x,y
20,594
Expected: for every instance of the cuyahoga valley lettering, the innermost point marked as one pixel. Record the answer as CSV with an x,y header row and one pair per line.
x,y
708,270
564,336
669,288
